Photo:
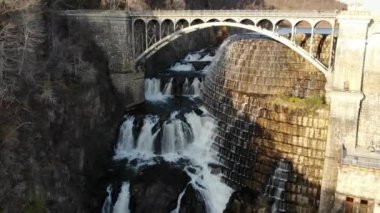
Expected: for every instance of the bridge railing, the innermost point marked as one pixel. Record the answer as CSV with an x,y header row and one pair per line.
x,y
245,13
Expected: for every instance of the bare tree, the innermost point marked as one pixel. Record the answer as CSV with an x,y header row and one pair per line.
x,y
20,38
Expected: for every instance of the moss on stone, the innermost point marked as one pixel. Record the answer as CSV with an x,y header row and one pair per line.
x,y
310,103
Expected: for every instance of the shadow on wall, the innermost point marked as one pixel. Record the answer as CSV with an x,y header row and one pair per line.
x,y
176,50
91,112
106,46
266,145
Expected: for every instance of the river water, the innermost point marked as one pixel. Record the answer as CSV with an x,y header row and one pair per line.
x,y
163,161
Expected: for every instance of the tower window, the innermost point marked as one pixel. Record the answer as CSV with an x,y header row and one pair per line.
x,y
349,205
363,208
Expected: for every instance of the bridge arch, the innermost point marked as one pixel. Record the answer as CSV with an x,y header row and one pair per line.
x,y
247,22
283,24
196,21
303,24
303,27
167,27
230,20
153,32
265,24
139,33
181,23
323,24
163,42
138,20
213,20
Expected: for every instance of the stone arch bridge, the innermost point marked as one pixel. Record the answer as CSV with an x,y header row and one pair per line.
x,y
352,71
153,30
149,31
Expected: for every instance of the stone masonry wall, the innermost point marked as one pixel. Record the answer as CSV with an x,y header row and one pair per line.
x,y
358,182
112,34
369,123
255,131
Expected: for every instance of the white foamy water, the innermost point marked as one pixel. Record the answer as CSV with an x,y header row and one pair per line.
x,y
198,56
153,90
191,139
126,141
175,136
181,139
182,67
176,210
147,136
206,69
196,87
107,205
193,57
168,87
122,202
216,193
207,57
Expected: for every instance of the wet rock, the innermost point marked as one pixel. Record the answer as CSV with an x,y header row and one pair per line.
x,y
157,188
246,201
198,111
199,65
192,201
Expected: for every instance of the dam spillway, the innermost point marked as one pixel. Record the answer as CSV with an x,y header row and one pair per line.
x,y
264,123
257,128
163,158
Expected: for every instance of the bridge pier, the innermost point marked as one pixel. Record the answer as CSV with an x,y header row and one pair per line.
x,y
343,124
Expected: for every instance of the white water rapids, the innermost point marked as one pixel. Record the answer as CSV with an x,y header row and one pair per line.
x,y
154,92
181,135
189,139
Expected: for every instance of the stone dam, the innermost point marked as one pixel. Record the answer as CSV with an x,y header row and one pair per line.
x,y
303,138
256,132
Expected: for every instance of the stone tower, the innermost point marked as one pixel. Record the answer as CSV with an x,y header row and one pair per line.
x,y
352,170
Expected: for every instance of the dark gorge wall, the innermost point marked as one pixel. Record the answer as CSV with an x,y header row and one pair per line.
x,y
176,50
59,116
272,124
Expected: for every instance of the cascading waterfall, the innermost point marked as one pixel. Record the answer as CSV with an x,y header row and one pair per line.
x,y
196,87
147,136
126,141
184,136
186,89
276,186
176,210
168,87
107,205
154,93
153,89
122,202
176,134
182,67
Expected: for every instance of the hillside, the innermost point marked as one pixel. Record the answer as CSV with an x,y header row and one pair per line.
x,y
6,5
224,4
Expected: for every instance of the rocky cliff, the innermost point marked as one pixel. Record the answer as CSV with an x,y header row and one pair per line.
x,y
59,115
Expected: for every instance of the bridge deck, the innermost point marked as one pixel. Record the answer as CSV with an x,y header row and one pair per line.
x,y
208,13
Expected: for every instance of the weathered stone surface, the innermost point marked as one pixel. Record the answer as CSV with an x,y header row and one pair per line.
x,y
157,187
255,132
192,201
